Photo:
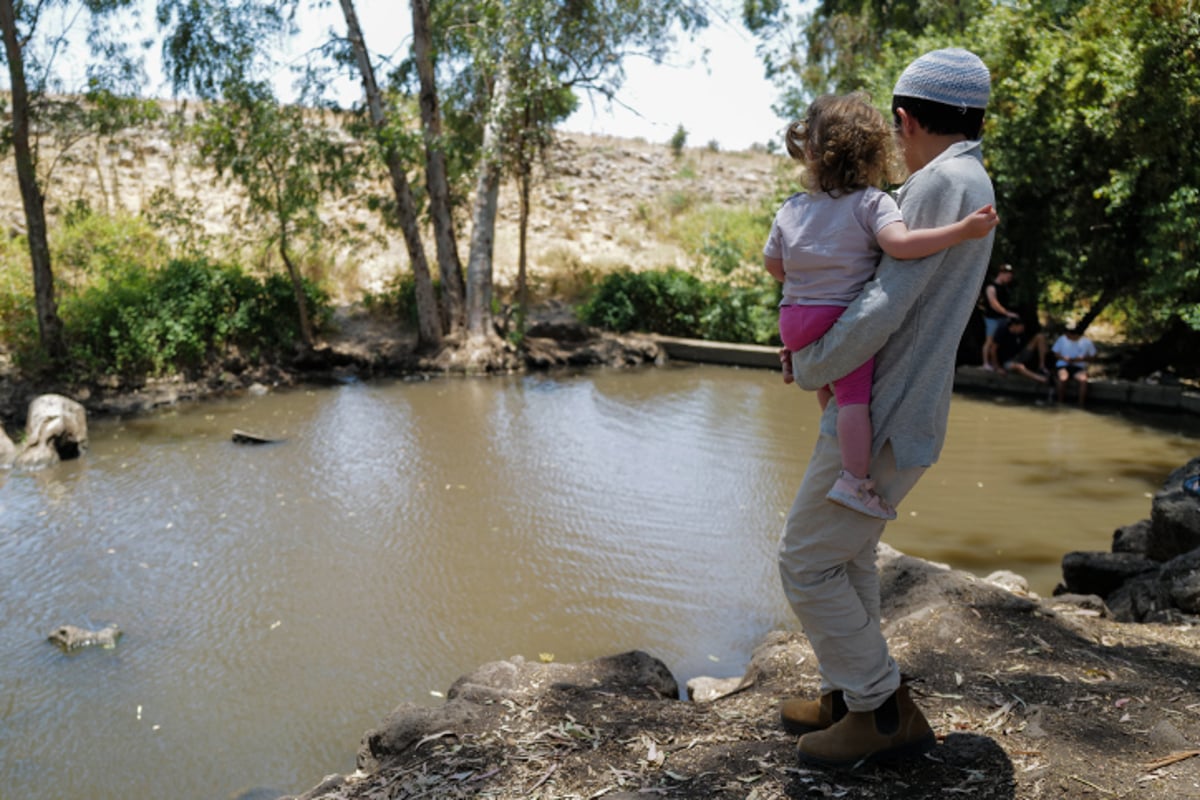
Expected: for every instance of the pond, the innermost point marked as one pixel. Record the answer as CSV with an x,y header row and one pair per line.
x,y
278,600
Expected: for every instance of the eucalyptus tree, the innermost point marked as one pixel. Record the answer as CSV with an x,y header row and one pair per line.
x,y
32,40
209,44
514,64
437,177
397,144
287,162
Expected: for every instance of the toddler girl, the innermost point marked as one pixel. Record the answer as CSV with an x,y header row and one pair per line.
x,y
825,244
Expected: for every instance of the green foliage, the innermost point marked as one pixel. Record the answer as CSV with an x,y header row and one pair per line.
x,y
723,238
209,43
177,218
672,302
1092,136
831,48
1094,145
86,246
398,300
18,316
133,321
87,243
286,162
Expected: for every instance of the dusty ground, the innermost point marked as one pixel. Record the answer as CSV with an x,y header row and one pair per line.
x,y
1029,698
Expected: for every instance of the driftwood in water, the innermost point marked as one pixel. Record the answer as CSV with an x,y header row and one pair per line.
x,y
245,437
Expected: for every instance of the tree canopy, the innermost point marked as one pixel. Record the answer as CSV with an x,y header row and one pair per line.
x,y
1092,135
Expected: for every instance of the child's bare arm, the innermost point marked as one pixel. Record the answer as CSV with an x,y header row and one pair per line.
x,y
900,242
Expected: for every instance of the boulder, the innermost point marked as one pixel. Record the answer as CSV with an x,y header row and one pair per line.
x,y
1181,581
703,689
477,699
1133,538
1011,581
1102,573
1143,599
55,429
1175,516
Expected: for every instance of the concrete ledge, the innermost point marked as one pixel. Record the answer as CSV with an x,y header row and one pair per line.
x,y
970,378
740,355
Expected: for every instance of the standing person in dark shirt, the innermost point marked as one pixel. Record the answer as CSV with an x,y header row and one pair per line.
x,y
996,313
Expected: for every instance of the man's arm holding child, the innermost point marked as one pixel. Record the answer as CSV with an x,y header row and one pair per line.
x,y
886,300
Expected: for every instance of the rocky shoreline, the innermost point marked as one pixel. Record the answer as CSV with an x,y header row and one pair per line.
x,y
359,347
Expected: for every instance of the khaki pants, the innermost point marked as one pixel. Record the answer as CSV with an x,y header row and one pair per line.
x,y
827,563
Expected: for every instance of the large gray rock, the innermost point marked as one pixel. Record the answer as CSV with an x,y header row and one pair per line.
x,y
1143,599
1133,538
1181,581
1102,573
55,429
1175,516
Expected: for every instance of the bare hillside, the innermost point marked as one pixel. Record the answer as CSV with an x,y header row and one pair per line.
x,y
594,204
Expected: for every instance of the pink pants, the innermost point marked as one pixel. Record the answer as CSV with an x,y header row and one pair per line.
x,y
800,326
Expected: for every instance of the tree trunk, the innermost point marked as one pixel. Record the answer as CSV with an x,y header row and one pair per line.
x,y
436,178
428,319
483,230
306,331
524,179
1107,295
49,325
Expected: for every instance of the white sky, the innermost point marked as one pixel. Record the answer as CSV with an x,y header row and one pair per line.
x,y
722,98
713,86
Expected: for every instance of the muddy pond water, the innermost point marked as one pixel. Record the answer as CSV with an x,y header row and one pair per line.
x,y
277,601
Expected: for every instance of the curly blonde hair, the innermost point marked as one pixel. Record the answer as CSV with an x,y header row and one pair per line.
x,y
844,143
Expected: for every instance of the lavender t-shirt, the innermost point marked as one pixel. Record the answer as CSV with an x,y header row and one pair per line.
x,y
828,244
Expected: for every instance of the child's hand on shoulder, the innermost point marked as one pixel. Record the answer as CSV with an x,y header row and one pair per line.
x,y
980,222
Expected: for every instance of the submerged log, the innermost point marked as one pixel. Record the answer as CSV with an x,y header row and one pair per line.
x,y
245,437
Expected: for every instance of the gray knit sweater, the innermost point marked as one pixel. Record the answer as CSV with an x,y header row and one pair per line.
x,y
912,315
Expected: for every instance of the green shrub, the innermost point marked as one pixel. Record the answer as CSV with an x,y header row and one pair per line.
x,y
88,243
675,303
399,299
18,318
134,321
663,301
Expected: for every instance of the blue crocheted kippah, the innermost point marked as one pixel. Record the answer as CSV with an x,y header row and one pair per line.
x,y
952,77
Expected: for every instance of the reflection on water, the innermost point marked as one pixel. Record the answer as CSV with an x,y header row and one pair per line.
x,y
278,600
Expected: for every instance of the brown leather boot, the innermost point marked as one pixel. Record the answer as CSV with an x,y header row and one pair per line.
x,y
895,729
804,716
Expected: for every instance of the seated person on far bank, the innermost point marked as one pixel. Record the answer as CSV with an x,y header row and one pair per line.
x,y
1074,352
1021,353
